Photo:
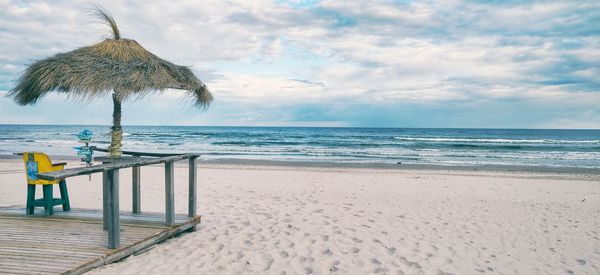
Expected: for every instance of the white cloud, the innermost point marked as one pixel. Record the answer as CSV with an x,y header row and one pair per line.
x,y
368,52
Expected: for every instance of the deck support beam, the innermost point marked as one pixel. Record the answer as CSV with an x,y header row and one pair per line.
x,y
112,177
135,189
105,200
110,187
169,193
193,187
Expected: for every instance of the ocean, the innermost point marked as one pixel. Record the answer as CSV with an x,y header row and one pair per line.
x,y
452,147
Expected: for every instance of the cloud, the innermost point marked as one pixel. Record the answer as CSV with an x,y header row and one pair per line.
x,y
307,56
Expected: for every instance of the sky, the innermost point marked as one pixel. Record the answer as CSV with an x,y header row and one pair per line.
x,y
459,64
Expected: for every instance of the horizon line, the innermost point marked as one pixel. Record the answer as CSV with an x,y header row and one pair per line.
x,y
275,126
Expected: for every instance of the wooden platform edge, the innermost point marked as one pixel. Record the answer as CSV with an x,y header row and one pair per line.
x,y
124,252
58,216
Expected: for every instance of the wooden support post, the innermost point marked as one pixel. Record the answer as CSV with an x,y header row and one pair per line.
x,y
192,188
113,208
135,189
169,193
30,199
105,200
48,199
64,195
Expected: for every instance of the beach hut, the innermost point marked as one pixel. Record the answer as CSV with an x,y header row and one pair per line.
x,y
116,66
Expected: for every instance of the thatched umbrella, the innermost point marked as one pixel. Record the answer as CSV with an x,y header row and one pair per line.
x,y
119,66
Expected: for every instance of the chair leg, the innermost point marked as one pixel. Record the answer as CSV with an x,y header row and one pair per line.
x,y
30,199
64,195
48,199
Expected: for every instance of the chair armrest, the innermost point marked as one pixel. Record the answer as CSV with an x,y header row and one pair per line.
x,y
58,166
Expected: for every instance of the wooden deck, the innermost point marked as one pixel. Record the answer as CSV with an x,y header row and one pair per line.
x,y
74,242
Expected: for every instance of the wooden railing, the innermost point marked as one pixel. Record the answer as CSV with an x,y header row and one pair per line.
x,y
110,186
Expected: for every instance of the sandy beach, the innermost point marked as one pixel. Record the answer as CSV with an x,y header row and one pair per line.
x,y
329,137
265,219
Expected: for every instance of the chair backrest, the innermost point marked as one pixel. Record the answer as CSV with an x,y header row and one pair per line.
x,y
36,162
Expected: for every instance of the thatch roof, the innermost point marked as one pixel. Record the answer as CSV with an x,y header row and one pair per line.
x,y
114,65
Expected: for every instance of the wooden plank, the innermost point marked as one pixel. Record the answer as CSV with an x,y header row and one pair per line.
x,y
137,154
150,241
105,200
36,267
111,166
169,193
90,241
149,222
48,262
36,244
92,216
25,253
21,272
193,183
113,209
67,239
135,189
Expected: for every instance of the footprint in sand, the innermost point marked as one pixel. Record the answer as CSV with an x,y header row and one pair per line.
x,y
356,240
325,238
375,261
354,250
358,262
380,270
267,264
410,264
327,252
218,248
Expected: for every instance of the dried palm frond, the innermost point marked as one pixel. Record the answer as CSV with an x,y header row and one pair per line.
x,y
116,65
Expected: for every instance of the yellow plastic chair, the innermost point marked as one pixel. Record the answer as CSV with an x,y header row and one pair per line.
x,y
35,163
